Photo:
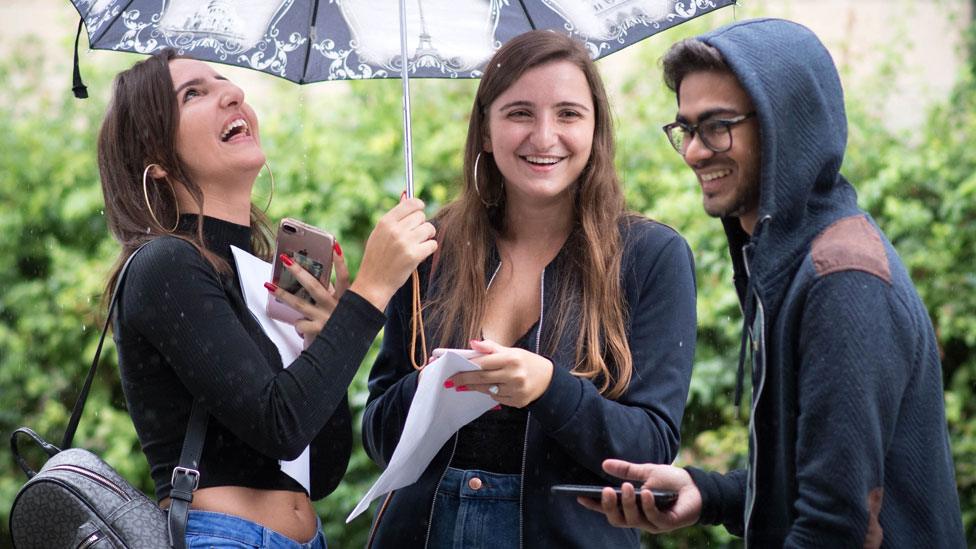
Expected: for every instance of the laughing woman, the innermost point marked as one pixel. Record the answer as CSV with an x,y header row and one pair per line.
x,y
178,152
584,314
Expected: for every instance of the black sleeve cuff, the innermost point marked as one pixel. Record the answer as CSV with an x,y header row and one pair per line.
x,y
723,498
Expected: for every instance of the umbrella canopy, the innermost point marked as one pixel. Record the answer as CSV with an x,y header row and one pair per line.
x,y
316,40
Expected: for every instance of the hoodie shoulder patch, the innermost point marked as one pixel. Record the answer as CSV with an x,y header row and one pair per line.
x,y
851,244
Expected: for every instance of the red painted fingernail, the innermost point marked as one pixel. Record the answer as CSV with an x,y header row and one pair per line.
x,y
271,287
286,260
403,196
448,384
461,388
496,408
337,248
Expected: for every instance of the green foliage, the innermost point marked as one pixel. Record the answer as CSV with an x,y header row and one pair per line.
x,y
338,165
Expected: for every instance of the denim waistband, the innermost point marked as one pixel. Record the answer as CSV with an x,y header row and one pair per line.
x,y
242,530
473,483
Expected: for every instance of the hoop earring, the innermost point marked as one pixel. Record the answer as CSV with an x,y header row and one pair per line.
x,y
474,173
271,194
474,176
145,194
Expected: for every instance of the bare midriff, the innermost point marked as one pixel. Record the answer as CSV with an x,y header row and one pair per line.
x,y
288,513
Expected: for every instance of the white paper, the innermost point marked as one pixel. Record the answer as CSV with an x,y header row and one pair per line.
x,y
252,273
435,414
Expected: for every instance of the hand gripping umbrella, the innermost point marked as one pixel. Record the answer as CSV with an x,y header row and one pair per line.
x,y
309,41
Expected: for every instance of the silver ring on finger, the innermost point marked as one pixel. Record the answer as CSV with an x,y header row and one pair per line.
x,y
493,389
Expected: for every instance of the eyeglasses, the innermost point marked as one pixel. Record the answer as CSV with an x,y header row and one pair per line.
x,y
714,133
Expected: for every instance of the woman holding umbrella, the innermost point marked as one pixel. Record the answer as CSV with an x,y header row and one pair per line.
x,y
584,315
178,153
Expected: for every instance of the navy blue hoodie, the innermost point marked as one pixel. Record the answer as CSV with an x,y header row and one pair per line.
x,y
848,439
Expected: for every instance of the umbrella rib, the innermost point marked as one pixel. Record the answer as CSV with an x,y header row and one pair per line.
x,y
93,39
308,49
527,15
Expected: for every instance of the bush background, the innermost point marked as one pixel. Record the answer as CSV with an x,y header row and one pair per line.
x,y
338,165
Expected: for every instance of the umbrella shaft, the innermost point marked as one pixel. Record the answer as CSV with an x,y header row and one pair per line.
x,y
405,79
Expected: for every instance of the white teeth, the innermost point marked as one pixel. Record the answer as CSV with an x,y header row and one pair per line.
x,y
542,159
240,122
714,175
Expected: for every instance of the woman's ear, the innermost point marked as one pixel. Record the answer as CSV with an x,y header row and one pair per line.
x,y
486,144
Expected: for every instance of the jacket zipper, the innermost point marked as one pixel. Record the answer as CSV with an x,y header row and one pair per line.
x,y
761,312
528,416
752,419
90,540
94,477
437,487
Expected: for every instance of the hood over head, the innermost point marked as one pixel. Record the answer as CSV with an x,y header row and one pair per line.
x,y
797,93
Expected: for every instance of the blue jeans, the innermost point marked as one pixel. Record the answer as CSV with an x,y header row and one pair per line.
x,y
206,529
475,509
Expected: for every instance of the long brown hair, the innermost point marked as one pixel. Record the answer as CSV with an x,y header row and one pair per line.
x,y
467,227
139,129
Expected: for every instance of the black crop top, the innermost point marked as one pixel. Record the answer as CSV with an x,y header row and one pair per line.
x,y
184,332
494,442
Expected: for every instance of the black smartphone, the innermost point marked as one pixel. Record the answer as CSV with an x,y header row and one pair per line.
x,y
663,499
308,246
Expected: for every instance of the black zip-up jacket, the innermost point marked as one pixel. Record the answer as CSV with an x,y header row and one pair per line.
x,y
571,427
847,435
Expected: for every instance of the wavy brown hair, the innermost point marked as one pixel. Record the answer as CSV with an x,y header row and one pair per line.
x,y
140,129
467,227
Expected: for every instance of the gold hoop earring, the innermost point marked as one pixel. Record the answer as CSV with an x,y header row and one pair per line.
x,y
271,194
145,194
474,175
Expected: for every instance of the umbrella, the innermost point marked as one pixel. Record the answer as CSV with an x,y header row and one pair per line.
x,y
319,40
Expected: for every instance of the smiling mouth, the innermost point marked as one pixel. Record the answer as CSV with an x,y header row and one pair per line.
x,y
717,174
542,160
235,128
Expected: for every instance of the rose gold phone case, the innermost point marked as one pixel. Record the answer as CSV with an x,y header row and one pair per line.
x,y
308,246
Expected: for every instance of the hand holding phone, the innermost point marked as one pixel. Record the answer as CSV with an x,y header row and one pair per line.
x,y
663,499
311,248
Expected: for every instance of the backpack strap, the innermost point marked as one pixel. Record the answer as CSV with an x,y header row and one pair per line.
x,y
186,475
69,433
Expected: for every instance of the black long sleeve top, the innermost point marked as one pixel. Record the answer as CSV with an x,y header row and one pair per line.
x,y
184,334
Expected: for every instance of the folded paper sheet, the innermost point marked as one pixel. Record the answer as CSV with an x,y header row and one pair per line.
x,y
435,414
252,273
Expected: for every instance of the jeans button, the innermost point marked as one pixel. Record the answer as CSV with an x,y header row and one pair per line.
x,y
474,483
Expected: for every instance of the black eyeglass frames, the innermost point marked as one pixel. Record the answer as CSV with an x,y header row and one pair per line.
x,y
714,133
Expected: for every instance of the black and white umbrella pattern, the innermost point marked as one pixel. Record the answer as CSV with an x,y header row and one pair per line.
x,y
309,41
316,40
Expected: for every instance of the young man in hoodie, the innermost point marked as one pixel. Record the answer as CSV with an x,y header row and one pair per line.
x,y
848,444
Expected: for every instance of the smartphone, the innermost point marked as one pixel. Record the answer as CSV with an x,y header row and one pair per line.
x,y
311,248
663,499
